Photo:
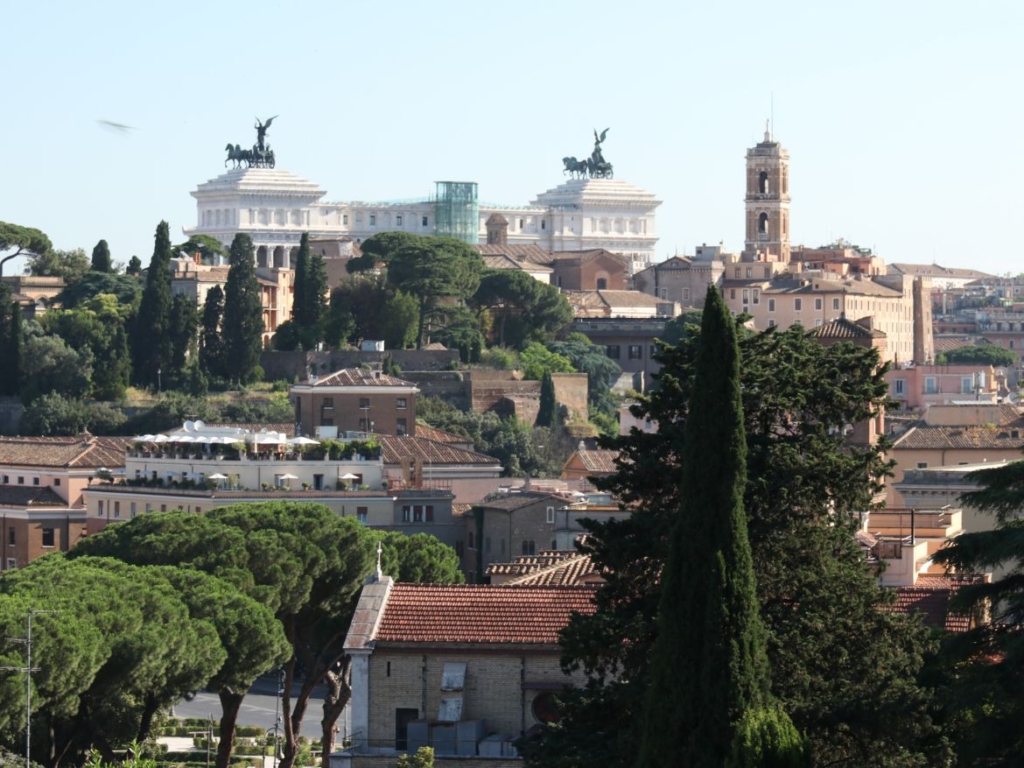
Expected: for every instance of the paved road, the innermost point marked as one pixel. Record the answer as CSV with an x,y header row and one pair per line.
x,y
258,707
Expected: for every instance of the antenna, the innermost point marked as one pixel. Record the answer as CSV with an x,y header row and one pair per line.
x,y
772,114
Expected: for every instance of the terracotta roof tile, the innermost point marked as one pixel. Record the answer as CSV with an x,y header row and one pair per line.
x,y
532,253
598,460
930,597
430,451
514,501
551,568
82,452
359,377
477,613
30,496
439,435
922,436
846,329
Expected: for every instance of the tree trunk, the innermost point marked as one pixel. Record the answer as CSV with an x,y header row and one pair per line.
x,y
146,721
290,749
230,703
339,691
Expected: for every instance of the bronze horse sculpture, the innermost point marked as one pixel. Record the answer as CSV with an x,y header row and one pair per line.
x,y
239,155
576,167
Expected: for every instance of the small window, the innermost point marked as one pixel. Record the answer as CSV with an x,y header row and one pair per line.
x,y
362,513
21,481
406,514
732,294
373,220
551,515
750,272
543,224
636,352
613,351
424,221
99,508
131,510
663,292
817,304
931,385
429,513
401,404
771,322
966,384
48,537
364,402
798,305
163,507
602,284
401,427
10,536
344,219
117,509
328,403
771,305
35,481
835,304
922,465
899,387
398,220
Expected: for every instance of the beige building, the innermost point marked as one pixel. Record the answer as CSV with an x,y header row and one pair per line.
x,y
466,669
767,201
42,480
684,279
918,387
898,307
953,435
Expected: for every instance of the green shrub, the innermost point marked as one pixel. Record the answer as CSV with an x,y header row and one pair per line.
x,y
767,738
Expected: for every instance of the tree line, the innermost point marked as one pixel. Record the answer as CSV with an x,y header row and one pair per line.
x,y
155,608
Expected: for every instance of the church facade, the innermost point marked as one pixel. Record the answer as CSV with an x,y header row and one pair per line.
x,y
274,207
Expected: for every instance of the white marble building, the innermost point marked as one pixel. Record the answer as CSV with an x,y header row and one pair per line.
x,y
274,207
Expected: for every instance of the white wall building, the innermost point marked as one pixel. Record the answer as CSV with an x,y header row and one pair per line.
x,y
274,207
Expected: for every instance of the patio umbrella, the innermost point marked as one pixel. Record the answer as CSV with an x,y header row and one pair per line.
x,y
349,476
303,441
289,476
160,439
217,476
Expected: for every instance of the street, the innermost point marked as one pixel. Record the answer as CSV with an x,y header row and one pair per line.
x,y
258,707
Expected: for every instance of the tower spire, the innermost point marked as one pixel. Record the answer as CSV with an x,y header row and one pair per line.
x,y
767,131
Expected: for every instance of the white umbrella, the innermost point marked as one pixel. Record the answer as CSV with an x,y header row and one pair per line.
x,y
144,439
160,439
217,476
303,441
349,476
289,476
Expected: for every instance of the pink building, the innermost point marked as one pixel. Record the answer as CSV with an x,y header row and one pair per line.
x,y
918,387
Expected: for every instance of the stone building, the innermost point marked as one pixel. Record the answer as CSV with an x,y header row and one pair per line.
x,y
466,669
767,201
355,399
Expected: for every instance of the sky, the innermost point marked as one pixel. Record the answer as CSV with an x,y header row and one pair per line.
x,y
902,118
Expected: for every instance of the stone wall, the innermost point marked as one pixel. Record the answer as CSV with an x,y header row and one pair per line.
x,y
571,392
289,365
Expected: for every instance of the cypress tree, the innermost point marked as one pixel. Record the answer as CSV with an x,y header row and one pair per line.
x,y
11,335
151,338
183,326
211,344
243,313
309,308
547,414
709,667
101,258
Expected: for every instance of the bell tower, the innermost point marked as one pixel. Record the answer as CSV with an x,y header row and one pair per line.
x,y
767,200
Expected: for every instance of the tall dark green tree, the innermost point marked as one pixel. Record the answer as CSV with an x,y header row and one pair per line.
x,y
101,258
211,343
547,414
309,309
709,668
183,326
134,266
805,487
242,328
11,340
986,700
151,341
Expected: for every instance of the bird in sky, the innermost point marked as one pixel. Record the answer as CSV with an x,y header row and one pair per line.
x,y
110,125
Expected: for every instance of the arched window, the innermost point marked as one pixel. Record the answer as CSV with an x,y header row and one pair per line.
x,y
762,183
602,284
762,224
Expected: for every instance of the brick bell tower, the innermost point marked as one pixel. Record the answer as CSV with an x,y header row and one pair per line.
x,y
767,200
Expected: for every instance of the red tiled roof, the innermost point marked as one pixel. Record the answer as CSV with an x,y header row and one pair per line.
x,y
460,508
598,460
549,568
930,597
923,436
439,435
531,253
81,452
359,377
29,496
846,329
429,451
478,613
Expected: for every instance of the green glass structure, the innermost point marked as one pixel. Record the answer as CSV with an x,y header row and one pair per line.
x,y
457,211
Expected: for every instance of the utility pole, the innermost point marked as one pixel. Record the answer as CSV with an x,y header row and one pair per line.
x,y
28,669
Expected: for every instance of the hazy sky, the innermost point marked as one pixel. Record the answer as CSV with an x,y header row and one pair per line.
x,y
903,118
